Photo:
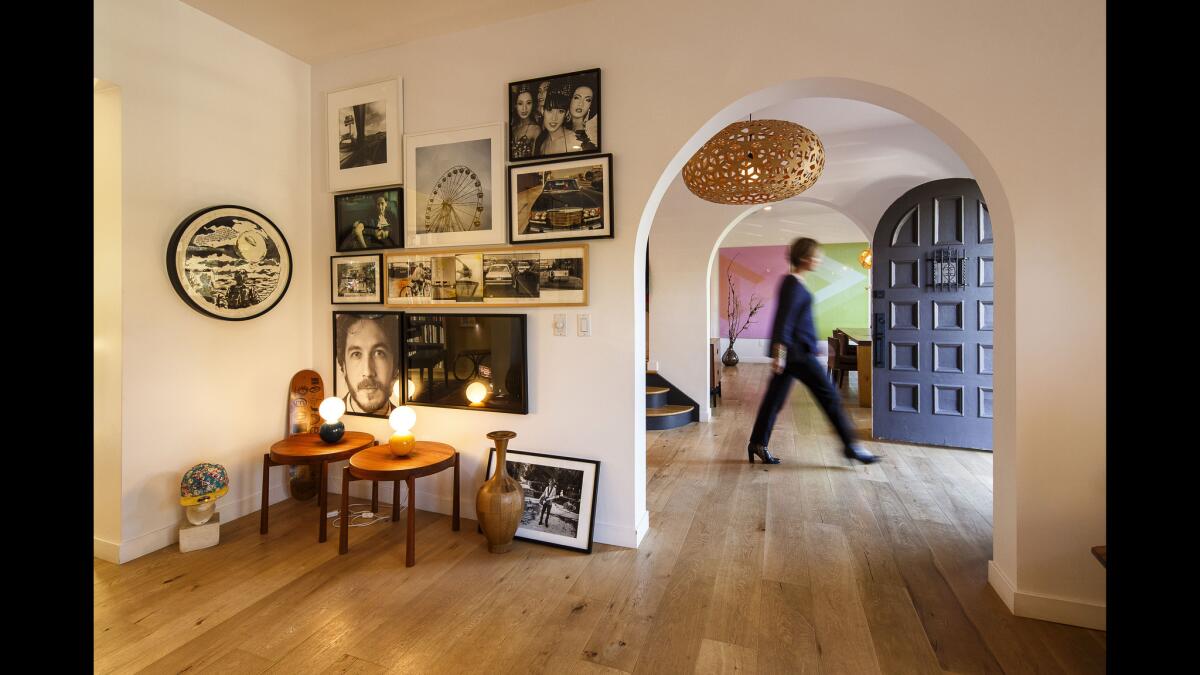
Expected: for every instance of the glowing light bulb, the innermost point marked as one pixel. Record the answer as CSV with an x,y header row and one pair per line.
x,y
402,441
476,392
332,409
395,399
767,208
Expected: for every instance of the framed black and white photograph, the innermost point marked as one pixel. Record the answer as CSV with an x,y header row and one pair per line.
x,y
356,279
364,126
560,497
455,190
494,276
229,262
556,201
368,220
554,116
366,361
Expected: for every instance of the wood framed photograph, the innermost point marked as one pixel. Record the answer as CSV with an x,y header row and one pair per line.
x,y
563,200
366,361
364,126
229,262
494,276
466,361
368,220
455,190
356,279
560,497
554,116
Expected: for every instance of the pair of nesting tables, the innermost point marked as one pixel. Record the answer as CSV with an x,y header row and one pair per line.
x,y
368,461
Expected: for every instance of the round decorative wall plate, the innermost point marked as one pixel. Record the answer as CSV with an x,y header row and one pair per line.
x,y
229,262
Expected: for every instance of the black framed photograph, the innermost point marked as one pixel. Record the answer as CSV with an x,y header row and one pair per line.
x,y
229,262
366,361
356,279
368,220
466,361
560,497
554,116
557,201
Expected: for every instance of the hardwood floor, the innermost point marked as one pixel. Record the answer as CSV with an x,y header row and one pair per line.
x,y
810,566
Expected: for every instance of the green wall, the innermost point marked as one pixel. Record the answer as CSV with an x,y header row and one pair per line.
x,y
840,286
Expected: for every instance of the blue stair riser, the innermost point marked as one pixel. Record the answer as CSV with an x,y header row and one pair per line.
x,y
667,421
656,400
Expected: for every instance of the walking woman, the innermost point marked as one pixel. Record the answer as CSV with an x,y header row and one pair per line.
x,y
793,351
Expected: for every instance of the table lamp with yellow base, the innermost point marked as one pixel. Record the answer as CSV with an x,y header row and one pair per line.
x,y
402,440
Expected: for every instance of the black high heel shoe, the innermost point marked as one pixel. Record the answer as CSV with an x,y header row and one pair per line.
x,y
860,453
762,452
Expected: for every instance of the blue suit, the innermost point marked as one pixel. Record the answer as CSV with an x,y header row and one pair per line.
x,y
794,329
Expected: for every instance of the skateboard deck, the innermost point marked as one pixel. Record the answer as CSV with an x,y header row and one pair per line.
x,y
305,394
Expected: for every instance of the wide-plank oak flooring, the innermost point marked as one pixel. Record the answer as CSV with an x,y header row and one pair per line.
x,y
811,566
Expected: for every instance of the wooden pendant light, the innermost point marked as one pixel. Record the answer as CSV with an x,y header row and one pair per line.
x,y
755,162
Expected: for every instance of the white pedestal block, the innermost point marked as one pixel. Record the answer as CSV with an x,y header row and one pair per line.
x,y
196,537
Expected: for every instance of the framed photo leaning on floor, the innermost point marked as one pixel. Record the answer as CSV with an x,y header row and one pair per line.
x,y
560,497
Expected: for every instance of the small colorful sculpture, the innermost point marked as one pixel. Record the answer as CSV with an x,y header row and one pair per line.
x,y
199,490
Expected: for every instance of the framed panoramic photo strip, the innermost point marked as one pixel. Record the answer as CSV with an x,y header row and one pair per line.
x,y
363,128
496,276
556,201
368,220
455,190
560,497
554,116
229,262
366,361
356,279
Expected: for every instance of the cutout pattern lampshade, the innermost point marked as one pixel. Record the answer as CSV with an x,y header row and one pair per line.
x,y
755,162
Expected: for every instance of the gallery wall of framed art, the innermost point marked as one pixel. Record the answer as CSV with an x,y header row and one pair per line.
x,y
363,135
495,276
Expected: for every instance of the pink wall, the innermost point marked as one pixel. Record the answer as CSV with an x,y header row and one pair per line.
x,y
756,270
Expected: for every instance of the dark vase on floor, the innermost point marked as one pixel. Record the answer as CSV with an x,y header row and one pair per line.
x,y
730,358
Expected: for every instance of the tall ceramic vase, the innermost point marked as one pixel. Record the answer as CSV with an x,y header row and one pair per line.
x,y
501,500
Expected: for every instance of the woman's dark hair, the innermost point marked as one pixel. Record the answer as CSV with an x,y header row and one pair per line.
x,y
557,100
802,248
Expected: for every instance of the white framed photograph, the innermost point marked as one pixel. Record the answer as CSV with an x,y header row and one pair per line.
x,y
560,497
364,126
356,279
455,192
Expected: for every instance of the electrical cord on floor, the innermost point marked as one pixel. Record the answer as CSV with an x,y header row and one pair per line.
x,y
376,516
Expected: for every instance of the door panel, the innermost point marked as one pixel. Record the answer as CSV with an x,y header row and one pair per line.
x,y
934,276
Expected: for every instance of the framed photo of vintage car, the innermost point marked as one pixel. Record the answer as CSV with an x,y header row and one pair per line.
x,y
559,201
560,497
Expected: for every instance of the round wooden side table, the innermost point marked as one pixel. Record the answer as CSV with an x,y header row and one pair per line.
x,y
377,463
310,449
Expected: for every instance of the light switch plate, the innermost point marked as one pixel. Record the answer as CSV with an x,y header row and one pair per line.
x,y
584,322
560,324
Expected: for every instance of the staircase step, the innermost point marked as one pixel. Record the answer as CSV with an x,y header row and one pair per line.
x,y
657,390
667,410
669,416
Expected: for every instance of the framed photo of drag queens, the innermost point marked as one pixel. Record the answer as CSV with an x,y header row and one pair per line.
x,y
554,116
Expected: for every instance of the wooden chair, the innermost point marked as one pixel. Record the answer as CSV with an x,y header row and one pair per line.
x,y
831,357
847,356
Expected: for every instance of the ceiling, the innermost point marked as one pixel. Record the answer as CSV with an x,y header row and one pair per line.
x,y
788,220
316,31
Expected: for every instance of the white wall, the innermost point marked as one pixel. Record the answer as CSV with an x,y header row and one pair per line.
x,y
209,116
106,321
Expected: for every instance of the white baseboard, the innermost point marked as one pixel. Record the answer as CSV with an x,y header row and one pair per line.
x,y
162,537
1047,607
106,550
643,527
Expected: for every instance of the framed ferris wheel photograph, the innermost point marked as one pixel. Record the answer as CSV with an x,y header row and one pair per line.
x,y
455,194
